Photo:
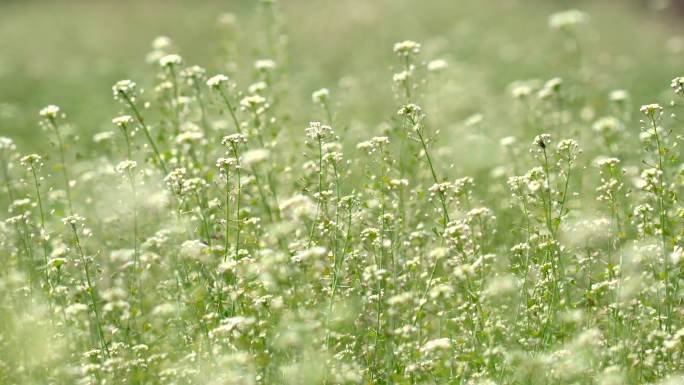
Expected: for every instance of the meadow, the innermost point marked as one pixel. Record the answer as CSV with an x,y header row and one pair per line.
x,y
341,192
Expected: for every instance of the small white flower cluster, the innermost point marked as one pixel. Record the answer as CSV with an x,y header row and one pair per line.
x,y
318,131
123,87
568,20
217,81
677,85
126,167
50,112
171,60
406,48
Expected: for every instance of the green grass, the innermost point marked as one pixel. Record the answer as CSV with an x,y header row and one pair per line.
x,y
502,220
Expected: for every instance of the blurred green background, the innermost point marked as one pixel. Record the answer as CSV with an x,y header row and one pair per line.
x,y
70,52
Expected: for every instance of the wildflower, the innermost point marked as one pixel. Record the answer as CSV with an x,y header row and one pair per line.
x,y
7,144
252,102
31,160
402,77
411,111
298,206
437,65
50,112
320,96
521,91
125,167
677,85
161,43
226,163
193,72
318,131
264,65
122,121
256,156
234,139
193,185
507,141
175,178
542,140
73,220
436,345
189,137
193,249
602,162
406,48
568,20
257,87
103,136
652,111
217,80
607,126
554,85
618,96
170,60
123,87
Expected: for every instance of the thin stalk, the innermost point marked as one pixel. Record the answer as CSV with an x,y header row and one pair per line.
x,y
146,131
91,290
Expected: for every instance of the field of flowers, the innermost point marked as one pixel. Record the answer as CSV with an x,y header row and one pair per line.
x,y
343,192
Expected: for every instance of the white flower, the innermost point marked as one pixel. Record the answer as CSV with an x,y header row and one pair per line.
x,y
618,96
193,249
568,20
170,60
161,42
678,85
123,87
234,139
507,141
653,110
320,96
103,136
264,64
226,163
126,166
602,162
317,131
437,65
436,344
217,80
189,137
406,48
50,111
255,156
31,160
607,126
252,102
193,72
7,144
409,110
73,220
122,121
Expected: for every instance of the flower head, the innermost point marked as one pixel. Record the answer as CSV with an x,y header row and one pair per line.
x,y
50,111
217,80
170,60
234,139
568,20
678,85
125,167
406,48
320,96
123,87
122,121
652,111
